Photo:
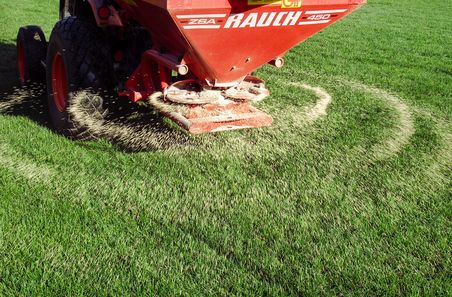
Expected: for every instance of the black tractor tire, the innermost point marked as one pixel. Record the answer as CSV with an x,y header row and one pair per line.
x,y
31,53
78,59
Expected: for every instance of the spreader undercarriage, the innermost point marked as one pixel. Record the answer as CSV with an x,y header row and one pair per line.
x,y
201,109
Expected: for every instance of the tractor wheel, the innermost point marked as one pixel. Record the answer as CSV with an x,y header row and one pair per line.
x,y
78,58
31,52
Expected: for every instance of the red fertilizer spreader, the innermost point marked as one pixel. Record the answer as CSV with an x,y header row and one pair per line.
x,y
190,59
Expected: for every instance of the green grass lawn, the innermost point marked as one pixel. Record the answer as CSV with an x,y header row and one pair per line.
x,y
356,201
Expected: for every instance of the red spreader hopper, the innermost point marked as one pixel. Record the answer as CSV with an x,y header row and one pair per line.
x,y
198,71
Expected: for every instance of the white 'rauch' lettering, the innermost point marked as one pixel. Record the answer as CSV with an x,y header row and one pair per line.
x,y
266,19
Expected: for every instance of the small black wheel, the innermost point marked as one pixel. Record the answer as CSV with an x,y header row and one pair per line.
x,y
31,52
78,58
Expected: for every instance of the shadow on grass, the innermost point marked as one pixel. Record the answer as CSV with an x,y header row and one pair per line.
x,y
15,100
129,127
8,70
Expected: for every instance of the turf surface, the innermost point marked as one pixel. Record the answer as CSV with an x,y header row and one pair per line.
x,y
351,200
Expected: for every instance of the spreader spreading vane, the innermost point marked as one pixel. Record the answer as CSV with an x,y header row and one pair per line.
x,y
201,110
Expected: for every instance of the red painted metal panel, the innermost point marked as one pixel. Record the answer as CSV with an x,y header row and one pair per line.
x,y
224,40
220,42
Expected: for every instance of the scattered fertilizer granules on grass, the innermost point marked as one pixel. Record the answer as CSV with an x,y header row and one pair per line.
x,y
319,109
22,166
402,132
21,94
137,131
129,131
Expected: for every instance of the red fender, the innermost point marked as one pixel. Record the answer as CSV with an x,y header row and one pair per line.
x,y
112,20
